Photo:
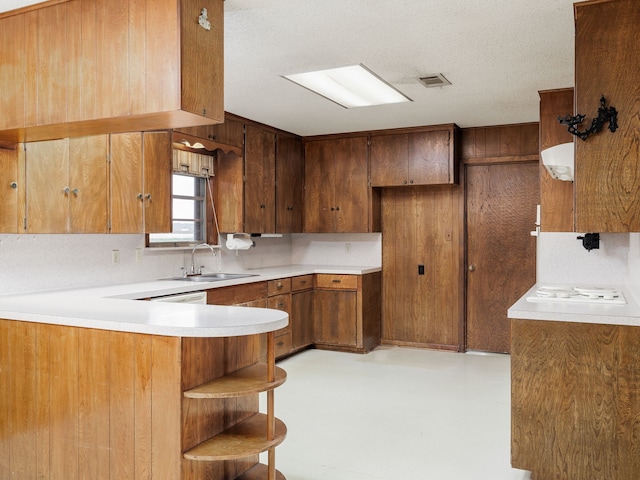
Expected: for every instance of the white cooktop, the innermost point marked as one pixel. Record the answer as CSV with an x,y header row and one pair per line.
x,y
578,294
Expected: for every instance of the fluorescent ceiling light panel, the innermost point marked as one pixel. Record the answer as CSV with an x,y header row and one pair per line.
x,y
353,86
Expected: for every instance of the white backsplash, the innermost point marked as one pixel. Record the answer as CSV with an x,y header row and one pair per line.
x,y
50,262
561,258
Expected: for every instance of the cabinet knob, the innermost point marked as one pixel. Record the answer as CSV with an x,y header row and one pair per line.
x,y
405,182
212,137
14,185
66,190
472,268
290,208
411,182
148,196
337,208
279,286
139,196
76,191
332,209
280,304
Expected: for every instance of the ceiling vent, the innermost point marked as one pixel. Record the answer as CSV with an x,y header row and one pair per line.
x,y
434,80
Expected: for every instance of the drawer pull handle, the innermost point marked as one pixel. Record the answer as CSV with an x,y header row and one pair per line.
x,y
336,280
281,305
280,286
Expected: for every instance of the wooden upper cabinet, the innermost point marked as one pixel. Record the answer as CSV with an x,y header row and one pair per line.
x,y
260,180
607,184
289,185
337,195
414,158
156,157
89,67
66,185
141,182
12,189
556,196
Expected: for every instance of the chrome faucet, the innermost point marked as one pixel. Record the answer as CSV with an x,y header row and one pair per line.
x,y
192,270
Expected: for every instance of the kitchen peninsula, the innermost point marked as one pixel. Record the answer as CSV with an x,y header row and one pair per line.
x,y
575,388
95,383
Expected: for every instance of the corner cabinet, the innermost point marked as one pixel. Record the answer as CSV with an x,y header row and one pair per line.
x,y
607,184
151,66
414,157
338,198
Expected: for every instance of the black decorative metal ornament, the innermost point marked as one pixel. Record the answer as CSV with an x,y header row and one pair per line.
x,y
605,114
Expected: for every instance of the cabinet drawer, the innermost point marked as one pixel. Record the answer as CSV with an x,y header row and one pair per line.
x,y
276,287
337,282
283,344
236,294
303,282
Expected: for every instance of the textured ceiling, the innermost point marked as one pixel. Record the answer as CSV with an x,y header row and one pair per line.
x,y
496,53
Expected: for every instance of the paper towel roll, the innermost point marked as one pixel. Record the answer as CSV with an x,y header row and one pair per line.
x,y
239,243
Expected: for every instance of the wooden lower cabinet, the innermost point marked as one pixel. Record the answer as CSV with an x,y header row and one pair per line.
x,y
346,312
279,292
575,400
12,189
301,320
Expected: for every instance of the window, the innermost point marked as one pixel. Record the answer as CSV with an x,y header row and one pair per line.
x,y
188,213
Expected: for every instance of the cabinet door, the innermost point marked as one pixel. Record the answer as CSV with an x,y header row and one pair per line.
x,y
126,183
282,336
335,317
230,132
430,158
47,192
389,160
14,71
607,184
88,183
289,185
260,178
351,199
301,320
11,189
319,196
157,181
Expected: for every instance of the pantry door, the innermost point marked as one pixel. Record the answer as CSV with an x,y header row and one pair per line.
x,y
501,204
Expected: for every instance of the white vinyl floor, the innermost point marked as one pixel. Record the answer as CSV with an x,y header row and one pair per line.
x,y
395,414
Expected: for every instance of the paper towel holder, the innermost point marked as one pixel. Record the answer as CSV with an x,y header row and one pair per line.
x,y
239,241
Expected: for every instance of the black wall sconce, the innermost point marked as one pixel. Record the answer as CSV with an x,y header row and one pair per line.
x,y
605,114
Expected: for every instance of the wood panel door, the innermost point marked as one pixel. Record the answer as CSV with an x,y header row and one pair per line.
x,y
501,204
126,183
389,154
47,167
351,188
11,190
335,317
260,179
421,267
319,187
289,185
156,159
430,159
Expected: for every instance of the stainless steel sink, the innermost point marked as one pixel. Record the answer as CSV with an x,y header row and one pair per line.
x,y
212,277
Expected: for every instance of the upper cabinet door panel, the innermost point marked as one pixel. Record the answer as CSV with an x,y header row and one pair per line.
x,y
156,159
607,183
13,72
289,185
389,160
319,186
126,183
88,183
351,187
430,158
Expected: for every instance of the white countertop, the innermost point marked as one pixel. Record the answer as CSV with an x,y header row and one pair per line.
x,y
117,307
628,314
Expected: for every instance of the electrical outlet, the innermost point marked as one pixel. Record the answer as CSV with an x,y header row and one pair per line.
x,y
139,255
115,257
347,248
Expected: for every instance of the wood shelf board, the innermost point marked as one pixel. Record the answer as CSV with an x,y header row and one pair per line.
x,y
248,381
244,439
259,472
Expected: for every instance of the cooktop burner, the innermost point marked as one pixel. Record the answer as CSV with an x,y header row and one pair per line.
x,y
592,294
